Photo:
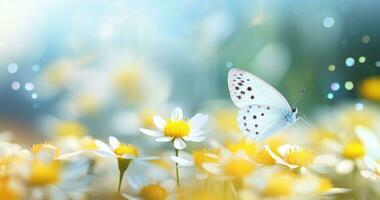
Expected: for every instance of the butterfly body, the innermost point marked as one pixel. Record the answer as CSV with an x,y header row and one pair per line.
x,y
263,110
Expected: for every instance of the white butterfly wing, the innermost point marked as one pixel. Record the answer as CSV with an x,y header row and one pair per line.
x,y
247,89
260,121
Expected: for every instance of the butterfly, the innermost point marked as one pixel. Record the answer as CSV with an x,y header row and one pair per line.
x,y
263,110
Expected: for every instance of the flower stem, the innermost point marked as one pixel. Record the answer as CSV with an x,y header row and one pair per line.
x,y
123,166
176,168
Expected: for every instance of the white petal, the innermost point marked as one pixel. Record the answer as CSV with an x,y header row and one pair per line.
x,y
169,185
69,155
344,167
212,168
370,163
278,159
182,161
130,197
194,139
370,175
104,153
337,191
150,158
128,157
197,122
150,132
164,139
114,142
369,139
159,122
179,143
177,114
102,146
330,160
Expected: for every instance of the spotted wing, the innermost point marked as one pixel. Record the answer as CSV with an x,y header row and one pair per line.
x,y
260,121
247,89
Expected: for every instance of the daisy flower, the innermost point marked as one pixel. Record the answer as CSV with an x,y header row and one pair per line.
x,y
123,152
296,157
177,129
150,190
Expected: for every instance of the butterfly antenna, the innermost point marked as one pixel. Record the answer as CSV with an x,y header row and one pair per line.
x,y
299,98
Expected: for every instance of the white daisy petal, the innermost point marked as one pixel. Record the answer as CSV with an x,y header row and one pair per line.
x,y
182,161
159,122
337,191
151,132
150,158
177,114
131,197
104,153
370,162
194,139
370,141
164,139
278,159
197,122
330,160
370,175
169,185
114,142
179,143
102,146
212,168
69,155
344,167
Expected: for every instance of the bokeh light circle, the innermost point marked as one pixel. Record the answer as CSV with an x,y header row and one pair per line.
x,y
366,39
377,63
362,59
12,68
15,85
350,62
331,68
328,22
349,85
29,86
335,86
330,95
359,106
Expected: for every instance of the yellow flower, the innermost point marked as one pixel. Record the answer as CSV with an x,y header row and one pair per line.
x,y
153,192
176,129
226,121
87,143
6,191
353,150
279,185
44,173
324,185
299,157
203,156
369,88
126,149
247,146
46,147
238,167
73,129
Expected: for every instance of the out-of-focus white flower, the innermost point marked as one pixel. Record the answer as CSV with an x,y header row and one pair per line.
x,y
157,190
231,165
373,169
119,149
177,130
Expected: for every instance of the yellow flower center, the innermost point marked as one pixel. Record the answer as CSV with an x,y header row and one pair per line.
x,y
246,146
88,143
262,156
324,185
279,186
202,156
44,173
73,129
126,149
45,148
353,150
153,192
6,191
238,167
299,157
176,129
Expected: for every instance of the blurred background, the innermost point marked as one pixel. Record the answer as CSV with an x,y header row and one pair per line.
x,y
104,67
